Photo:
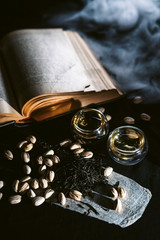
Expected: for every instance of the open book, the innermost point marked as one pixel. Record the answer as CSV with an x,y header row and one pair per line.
x,y
48,72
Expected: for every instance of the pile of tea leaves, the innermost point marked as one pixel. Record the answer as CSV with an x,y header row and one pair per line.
x,y
78,173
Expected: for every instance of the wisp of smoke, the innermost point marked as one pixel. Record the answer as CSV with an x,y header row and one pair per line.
x,y
125,37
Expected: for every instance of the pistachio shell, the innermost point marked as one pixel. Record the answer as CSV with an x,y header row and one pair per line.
x,y
145,117
8,154
50,175
48,162
101,109
15,199
121,192
108,171
108,117
62,198
25,157
27,169
55,159
37,201
23,187
129,120
35,183
74,146
48,193
118,205
137,100
21,144
42,169
87,154
65,143
1,195
25,179
40,160
76,195
78,151
31,193
43,183
27,147
15,185
49,152
31,139
1,184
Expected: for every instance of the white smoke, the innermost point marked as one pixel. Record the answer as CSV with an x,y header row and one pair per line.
x,y
125,36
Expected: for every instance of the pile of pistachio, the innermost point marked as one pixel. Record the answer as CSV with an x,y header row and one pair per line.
x,y
39,189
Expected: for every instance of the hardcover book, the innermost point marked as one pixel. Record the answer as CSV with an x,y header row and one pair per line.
x,y
48,72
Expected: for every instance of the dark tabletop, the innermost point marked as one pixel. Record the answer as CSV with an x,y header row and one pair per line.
x,y
47,220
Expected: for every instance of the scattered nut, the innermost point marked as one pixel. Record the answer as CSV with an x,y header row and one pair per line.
x,y
43,183
108,171
55,159
25,157
101,109
1,195
74,146
87,154
48,162
62,198
108,117
27,169
37,201
76,195
129,120
1,184
15,185
27,147
23,187
50,175
21,144
49,152
8,154
78,151
48,193
15,199
145,117
121,192
31,139
31,193
118,205
25,179
35,183
42,169
113,193
65,143
137,100
40,160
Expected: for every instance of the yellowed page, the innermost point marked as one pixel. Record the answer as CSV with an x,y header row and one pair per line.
x,y
44,61
8,105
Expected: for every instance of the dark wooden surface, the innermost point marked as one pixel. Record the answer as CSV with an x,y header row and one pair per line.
x,y
48,221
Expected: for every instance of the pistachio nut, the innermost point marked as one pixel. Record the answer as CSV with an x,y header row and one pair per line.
x,y
37,201
76,195
25,157
15,199
8,155
62,198
31,139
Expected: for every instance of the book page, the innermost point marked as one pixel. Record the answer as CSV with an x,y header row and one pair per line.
x,y
8,103
44,61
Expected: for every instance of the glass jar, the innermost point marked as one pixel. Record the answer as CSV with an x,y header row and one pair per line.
x,y
127,145
89,125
